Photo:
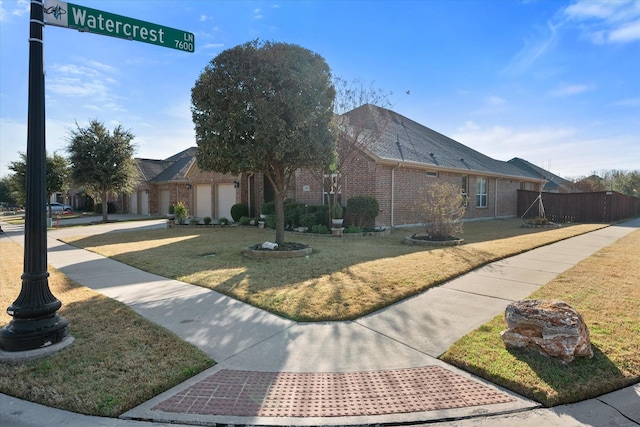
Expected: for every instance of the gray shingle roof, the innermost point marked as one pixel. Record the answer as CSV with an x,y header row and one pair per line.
x,y
406,141
173,168
553,180
149,168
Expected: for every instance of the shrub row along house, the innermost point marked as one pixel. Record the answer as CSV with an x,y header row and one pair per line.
x,y
393,166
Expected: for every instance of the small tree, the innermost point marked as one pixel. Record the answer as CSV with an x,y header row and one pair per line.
x,y
354,135
441,209
102,161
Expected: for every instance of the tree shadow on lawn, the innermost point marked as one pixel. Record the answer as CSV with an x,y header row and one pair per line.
x,y
200,249
579,380
213,259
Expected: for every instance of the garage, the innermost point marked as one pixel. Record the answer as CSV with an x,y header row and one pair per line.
x,y
203,200
226,198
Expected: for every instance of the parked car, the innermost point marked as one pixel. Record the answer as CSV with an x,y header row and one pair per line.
x,y
59,208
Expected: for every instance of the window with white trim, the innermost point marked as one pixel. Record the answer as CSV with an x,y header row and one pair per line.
x,y
481,192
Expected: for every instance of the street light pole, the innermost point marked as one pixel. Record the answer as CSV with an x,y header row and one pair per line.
x,y
35,323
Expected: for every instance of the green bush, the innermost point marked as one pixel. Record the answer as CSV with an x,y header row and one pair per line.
x,y
245,220
207,220
362,210
308,220
321,213
292,213
180,212
223,220
194,221
353,229
270,221
320,229
268,208
238,211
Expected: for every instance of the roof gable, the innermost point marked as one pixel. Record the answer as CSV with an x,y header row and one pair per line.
x,y
173,168
149,168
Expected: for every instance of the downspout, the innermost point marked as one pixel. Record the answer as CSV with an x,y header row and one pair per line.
x,y
495,208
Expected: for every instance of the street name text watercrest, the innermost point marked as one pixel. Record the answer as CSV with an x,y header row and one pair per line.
x,y
69,15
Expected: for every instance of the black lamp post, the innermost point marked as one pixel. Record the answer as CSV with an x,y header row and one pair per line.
x,y
36,322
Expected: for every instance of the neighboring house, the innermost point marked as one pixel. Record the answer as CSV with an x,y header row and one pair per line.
x,y
178,179
590,184
404,158
553,183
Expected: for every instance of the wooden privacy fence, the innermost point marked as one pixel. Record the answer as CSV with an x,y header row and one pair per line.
x,y
601,206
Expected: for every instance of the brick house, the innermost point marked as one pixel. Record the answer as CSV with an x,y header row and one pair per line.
x,y
178,179
402,160
406,156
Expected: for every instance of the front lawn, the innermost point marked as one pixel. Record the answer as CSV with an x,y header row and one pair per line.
x,y
343,279
117,361
120,360
605,289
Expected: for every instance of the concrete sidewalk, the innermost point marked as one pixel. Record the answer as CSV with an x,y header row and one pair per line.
x,y
401,341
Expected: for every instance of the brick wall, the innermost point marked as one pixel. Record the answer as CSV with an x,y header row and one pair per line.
x,y
361,176
366,177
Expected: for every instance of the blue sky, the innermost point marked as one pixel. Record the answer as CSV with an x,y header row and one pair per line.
x,y
554,82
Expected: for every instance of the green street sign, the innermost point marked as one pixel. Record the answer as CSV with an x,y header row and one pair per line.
x,y
69,15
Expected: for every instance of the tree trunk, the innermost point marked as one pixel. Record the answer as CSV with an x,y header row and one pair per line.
x,y
105,206
279,199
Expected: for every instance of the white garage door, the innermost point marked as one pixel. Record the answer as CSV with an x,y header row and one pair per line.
x,y
144,203
203,201
226,198
165,196
133,203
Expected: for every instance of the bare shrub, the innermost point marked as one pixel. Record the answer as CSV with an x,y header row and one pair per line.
x,y
441,208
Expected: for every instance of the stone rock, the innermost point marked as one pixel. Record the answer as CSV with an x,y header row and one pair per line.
x,y
269,245
554,328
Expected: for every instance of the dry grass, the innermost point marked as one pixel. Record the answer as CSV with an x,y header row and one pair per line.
x,y
343,278
605,289
117,361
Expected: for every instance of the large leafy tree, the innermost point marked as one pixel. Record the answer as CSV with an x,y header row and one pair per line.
x,y
264,107
102,161
58,176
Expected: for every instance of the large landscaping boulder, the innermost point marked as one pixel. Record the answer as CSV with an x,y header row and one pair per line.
x,y
553,328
